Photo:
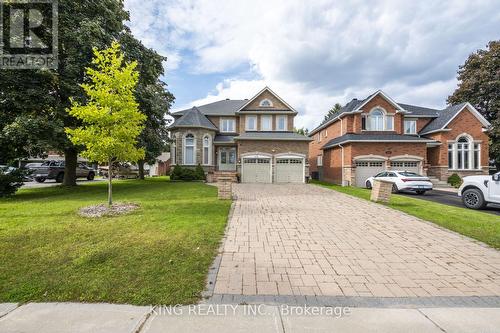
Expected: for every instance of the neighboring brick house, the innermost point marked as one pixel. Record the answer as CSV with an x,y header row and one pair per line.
x,y
253,139
368,136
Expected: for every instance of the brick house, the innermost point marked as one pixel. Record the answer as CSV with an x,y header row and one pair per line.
x,y
252,138
375,134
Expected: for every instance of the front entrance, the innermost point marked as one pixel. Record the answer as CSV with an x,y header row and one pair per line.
x,y
227,159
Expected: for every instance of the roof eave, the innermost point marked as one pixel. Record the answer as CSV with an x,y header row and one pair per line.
x,y
385,141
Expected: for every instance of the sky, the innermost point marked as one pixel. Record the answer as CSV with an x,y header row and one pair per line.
x,y
313,54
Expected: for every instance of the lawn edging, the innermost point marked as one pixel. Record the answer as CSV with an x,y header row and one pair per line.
x,y
477,225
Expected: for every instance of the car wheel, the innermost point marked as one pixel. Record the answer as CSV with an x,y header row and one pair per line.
x,y
420,192
395,188
473,198
368,185
90,176
40,179
60,177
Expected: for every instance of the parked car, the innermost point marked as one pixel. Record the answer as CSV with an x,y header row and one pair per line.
x,y
55,170
478,191
403,181
121,170
26,174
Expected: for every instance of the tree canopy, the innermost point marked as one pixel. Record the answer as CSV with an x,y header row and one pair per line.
x,y
331,112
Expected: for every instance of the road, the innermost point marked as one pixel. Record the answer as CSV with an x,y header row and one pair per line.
x,y
449,198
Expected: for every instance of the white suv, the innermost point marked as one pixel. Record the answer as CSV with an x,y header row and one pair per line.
x,y
478,191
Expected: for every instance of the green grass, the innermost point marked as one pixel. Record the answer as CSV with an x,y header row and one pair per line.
x,y
159,254
479,225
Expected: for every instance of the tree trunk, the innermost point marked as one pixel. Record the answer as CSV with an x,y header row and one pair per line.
x,y
71,160
140,164
110,185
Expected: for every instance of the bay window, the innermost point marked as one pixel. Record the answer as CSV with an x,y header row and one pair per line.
x,y
189,150
207,154
173,151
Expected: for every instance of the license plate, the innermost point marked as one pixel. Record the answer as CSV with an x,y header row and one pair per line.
x,y
420,186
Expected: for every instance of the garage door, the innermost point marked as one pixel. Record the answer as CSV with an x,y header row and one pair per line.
x,y
256,170
366,169
413,166
289,170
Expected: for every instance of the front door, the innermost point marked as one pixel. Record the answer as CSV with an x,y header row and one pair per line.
x,y
227,159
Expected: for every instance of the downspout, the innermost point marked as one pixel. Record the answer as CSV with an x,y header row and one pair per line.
x,y
342,152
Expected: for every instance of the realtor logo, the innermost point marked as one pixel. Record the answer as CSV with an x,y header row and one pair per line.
x,y
28,34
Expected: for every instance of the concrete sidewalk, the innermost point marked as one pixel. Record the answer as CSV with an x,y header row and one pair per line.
x,y
220,318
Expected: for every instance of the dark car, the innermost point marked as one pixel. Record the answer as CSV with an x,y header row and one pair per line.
x,y
55,170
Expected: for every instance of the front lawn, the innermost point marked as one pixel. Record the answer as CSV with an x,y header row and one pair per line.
x,y
159,254
475,224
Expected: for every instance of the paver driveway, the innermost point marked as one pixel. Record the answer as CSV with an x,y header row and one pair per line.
x,y
308,240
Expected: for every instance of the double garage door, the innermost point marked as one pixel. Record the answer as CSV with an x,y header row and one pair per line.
x,y
367,169
259,170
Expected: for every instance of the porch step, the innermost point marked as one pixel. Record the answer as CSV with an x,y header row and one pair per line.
x,y
231,174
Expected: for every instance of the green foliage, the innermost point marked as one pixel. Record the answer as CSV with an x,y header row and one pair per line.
x,y
331,112
10,181
187,174
455,180
302,131
479,84
111,119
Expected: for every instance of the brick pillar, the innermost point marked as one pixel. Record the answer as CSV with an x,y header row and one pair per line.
x,y
381,191
225,186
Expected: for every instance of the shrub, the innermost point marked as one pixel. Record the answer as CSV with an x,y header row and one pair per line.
x,y
199,173
176,173
187,174
10,181
455,180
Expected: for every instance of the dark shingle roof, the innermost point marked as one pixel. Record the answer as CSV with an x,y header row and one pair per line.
x,y
285,136
225,107
375,138
194,118
444,117
419,111
347,108
224,138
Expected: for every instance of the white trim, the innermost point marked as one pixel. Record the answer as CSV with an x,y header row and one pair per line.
x,y
259,93
227,118
286,123
410,120
406,157
266,106
256,154
290,155
184,149
210,153
266,116
255,122
390,100
370,157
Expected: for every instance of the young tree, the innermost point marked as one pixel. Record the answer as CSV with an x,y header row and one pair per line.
x,y
332,111
111,121
479,84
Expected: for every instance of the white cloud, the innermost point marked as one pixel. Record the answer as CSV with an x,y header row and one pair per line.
x,y
317,53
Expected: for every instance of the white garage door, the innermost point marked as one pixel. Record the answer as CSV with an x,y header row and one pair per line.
x,y
366,169
413,166
256,170
289,170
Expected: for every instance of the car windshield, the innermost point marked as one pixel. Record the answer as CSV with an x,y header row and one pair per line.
x,y
409,174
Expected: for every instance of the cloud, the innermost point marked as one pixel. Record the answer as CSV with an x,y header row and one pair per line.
x,y
317,53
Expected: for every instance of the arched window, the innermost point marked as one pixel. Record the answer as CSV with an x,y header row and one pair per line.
x,y
464,154
266,103
173,150
207,151
378,120
189,150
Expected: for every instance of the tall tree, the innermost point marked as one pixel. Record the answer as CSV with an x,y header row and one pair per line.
x,y
479,84
302,130
111,121
152,95
331,112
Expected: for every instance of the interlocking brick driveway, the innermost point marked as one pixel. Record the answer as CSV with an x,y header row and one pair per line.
x,y
308,240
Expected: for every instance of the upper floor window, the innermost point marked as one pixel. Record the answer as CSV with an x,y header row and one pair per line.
x,y
189,150
410,126
266,103
251,123
266,123
377,120
281,123
228,125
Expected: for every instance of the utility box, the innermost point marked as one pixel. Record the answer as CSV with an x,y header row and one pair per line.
x,y
381,191
225,186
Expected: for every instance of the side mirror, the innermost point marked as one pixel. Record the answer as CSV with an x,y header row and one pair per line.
x,y
496,177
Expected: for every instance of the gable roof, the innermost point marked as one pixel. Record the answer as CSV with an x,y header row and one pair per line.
x,y
386,97
194,118
226,107
448,114
266,88
346,138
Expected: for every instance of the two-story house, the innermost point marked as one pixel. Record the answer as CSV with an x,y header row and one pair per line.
x,y
375,134
253,138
